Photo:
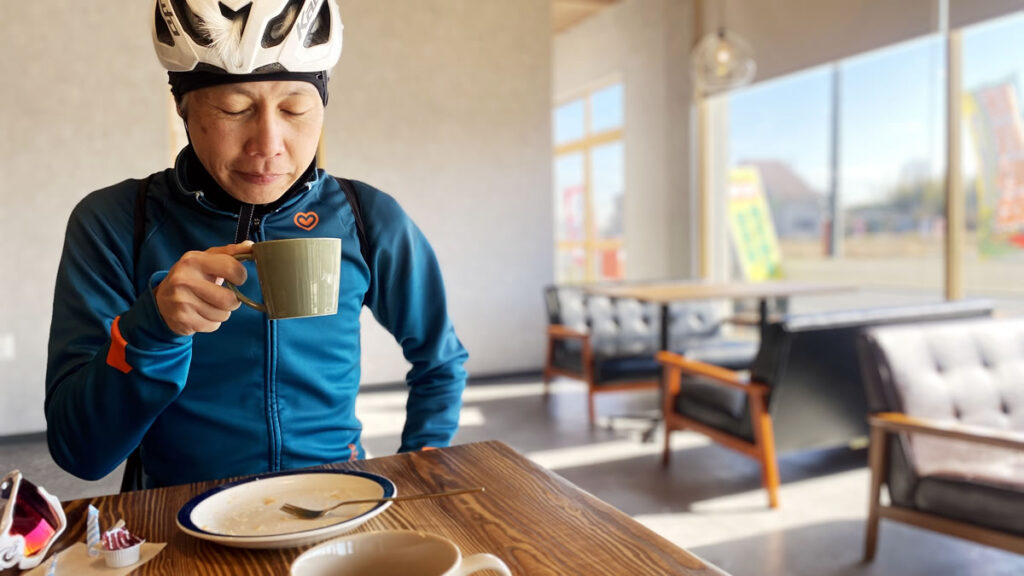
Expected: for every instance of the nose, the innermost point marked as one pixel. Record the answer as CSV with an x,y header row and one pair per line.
x,y
266,135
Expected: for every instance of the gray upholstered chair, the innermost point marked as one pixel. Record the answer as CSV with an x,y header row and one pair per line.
x,y
803,389
610,344
947,430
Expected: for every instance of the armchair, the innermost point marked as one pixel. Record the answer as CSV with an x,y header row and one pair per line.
x,y
802,390
947,430
610,344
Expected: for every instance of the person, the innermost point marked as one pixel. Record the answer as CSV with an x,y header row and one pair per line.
x,y
151,350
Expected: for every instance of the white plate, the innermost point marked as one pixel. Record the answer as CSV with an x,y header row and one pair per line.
x,y
247,514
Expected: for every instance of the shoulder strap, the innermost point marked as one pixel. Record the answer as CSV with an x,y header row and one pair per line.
x,y
364,244
353,202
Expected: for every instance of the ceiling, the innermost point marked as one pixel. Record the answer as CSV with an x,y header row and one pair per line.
x,y
567,13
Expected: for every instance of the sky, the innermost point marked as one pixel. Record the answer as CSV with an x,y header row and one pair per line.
x,y
892,110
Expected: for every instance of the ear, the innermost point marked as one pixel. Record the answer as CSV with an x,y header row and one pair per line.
x,y
181,107
183,114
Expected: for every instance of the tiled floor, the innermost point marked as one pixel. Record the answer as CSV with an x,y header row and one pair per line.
x,y
709,499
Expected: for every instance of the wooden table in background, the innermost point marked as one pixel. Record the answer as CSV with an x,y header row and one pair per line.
x,y
536,521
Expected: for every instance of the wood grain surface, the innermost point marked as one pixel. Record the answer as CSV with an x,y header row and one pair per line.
x,y
536,521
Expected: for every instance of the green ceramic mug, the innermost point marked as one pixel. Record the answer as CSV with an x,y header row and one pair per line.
x,y
298,277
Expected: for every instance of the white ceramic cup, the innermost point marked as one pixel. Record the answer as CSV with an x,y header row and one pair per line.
x,y
392,553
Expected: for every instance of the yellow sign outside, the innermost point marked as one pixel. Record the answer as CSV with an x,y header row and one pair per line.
x,y
751,227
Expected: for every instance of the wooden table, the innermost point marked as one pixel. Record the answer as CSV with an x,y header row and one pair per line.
x,y
536,521
664,293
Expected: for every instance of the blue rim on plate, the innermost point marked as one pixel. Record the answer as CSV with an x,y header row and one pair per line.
x,y
185,513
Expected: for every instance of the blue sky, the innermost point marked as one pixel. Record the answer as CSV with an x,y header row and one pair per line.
x,y
892,110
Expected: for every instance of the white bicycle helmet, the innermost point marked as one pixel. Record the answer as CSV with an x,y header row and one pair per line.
x,y
247,36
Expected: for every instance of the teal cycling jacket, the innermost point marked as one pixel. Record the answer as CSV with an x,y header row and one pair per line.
x,y
256,395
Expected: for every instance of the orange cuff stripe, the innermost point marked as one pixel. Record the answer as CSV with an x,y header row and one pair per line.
x,y
426,448
116,355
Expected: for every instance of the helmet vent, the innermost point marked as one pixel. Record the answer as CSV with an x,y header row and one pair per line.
x,y
163,33
191,24
240,17
223,28
320,31
279,26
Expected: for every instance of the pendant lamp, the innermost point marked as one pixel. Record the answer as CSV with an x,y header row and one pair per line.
x,y
722,60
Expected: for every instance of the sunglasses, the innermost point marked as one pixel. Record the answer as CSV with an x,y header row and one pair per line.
x,y
31,521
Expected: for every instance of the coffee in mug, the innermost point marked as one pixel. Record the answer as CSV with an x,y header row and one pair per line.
x,y
298,277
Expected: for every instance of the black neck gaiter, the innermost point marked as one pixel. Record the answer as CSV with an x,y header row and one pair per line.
x,y
199,179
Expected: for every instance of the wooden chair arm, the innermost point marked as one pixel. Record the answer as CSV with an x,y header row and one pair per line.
x,y
560,332
898,422
717,374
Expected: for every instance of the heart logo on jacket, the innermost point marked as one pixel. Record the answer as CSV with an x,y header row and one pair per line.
x,y
306,220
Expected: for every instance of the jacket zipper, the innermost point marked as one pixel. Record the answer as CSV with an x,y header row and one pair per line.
x,y
270,385
275,440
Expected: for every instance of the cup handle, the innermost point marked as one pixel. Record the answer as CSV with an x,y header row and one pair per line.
x,y
242,297
478,562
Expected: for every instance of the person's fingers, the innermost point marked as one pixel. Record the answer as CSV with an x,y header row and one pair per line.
x,y
240,272
211,314
187,313
215,296
213,264
189,299
232,249
230,270
182,318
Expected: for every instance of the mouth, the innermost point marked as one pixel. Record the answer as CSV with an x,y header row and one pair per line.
x,y
260,178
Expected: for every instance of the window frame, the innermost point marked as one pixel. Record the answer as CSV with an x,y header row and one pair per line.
x,y
591,245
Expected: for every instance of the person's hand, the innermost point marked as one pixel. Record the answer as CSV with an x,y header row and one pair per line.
x,y
192,299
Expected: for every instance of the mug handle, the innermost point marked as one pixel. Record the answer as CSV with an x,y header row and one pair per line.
x,y
242,297
483,561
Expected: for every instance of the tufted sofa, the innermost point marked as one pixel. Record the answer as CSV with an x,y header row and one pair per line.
x,y
947,431
610,343
803,389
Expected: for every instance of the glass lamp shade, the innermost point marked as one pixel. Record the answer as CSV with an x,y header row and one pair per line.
x,y
721,61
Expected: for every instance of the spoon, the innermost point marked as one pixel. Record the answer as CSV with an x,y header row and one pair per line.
x,y
309,513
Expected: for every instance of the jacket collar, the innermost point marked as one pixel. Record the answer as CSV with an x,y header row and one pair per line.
x,y
187,164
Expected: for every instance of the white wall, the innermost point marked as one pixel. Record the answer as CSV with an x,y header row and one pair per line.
x,y
81,107
646,44
443,103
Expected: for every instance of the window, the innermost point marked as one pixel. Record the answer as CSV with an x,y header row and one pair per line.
x,y
845,167
993,148
589,187
776,182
